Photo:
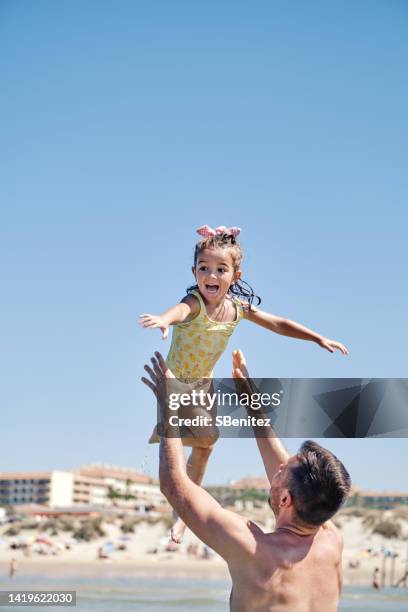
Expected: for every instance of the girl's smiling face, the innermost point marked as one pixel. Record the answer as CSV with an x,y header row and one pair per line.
x,y
215,273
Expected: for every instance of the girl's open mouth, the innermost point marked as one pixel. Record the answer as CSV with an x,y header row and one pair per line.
x,y
212,288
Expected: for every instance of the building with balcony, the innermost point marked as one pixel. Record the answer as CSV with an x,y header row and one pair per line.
x,y
382,500
98,485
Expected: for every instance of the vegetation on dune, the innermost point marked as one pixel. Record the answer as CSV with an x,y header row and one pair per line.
x,y
388,529
252,495
90,529
50,525
167,520
29,523
385,523
401,513
372,518
13,530
129,523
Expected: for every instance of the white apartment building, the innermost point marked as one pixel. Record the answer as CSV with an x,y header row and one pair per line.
x,y
89,485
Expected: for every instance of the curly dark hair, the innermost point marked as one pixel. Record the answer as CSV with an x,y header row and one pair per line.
x,y
239,288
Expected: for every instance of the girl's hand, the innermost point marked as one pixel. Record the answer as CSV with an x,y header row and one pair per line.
x,y
331,345
153,321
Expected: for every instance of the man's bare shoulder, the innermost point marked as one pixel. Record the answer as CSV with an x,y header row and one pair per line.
x,y
327,539
333,533
331,527
262,548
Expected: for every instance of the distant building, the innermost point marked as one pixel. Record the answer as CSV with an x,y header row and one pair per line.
x,y
243,490
254,487
254,483
121,480
99,485
384,500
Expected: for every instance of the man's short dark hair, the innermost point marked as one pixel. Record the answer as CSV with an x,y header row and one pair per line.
x,y
319,484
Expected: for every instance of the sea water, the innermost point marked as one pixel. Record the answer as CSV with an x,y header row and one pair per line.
x,y
140,594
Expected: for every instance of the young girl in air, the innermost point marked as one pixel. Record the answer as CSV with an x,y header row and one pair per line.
x,y
205,319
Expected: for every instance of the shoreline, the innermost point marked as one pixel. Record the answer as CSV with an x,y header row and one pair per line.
x,y
201,569
170,568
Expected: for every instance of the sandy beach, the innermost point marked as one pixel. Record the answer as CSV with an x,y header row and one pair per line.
x,y
143,553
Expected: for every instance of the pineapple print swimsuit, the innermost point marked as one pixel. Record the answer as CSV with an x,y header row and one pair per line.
x,y
198,344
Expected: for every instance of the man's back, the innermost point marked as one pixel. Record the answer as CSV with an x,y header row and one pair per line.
x,y
298,567
290,573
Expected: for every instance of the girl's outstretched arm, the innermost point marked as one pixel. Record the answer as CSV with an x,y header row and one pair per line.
x,y
187,309
285,327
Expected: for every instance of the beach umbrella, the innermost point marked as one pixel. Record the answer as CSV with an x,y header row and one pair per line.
x,y
43,541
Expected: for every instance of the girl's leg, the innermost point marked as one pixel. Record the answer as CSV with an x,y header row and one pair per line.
x,y
154,438
196,465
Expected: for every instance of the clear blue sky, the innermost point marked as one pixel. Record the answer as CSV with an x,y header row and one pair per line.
x,y
124,126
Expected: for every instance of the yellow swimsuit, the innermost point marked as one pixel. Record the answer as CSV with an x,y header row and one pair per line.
x,y
197,345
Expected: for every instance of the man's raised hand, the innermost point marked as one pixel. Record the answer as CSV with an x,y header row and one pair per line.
x,y
158,375
242,380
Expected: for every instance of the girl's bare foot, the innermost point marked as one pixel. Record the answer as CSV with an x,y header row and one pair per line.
x,y
177,531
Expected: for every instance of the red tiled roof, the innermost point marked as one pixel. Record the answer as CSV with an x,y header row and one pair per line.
x,y
107,471
25,475
31,509
251,482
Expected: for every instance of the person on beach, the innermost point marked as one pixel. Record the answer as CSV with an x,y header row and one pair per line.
x,y
203,322
297,566
376,578
12,568
403,581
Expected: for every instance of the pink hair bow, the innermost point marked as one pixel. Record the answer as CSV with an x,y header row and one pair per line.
x,y
206,231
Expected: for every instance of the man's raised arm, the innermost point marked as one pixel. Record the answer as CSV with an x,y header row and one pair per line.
x,y
229,535
272,450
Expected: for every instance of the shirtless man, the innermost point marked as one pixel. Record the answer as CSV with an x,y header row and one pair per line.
x,y
297,567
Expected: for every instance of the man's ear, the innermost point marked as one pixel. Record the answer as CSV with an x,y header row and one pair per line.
x,y
194,271
286,500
